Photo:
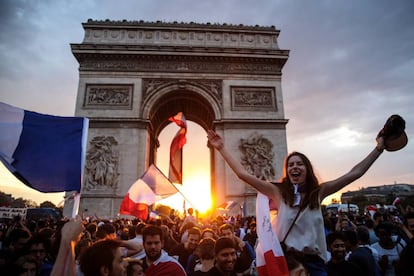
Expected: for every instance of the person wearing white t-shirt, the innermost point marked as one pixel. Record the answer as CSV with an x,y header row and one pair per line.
x,y
388,251
299,191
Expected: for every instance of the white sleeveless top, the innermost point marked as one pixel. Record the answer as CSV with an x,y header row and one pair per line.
x,y
307,235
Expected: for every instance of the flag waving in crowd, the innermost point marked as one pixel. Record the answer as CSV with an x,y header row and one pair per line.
x,y
145,191
270,259
396,201
176,149
45,152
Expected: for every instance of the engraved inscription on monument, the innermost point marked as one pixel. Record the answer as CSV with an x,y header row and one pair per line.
x,y
108,96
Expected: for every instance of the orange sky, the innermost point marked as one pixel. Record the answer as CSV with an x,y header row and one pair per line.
x,y
196,176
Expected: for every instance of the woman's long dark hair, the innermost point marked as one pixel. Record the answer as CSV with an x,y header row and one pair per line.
x,y
286,186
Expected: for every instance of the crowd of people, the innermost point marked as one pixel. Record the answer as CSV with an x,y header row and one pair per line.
x,y
315,242
298,195
381,244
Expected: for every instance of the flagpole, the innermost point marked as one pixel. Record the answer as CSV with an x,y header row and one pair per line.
x,y
185,198
76,202
77,195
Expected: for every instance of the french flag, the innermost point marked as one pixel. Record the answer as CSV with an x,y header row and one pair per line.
x,y
372,210
270,259
396,201
175,173
152,185
45,152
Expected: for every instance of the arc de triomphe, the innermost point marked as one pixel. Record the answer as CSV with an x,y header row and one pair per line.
x,y
134,75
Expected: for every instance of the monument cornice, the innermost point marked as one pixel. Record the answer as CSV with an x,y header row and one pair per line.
x,y
175,24
180,63
180,34
99,122
252,123
175,50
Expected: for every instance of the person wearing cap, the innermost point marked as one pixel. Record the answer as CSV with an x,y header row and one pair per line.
x,y
298,195
225,258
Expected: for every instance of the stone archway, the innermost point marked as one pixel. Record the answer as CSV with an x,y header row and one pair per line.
x,y
199,99
134,75
164,98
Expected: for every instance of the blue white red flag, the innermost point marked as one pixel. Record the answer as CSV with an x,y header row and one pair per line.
x,y
45,152
396,201
153,185
175,173
228,205
270,259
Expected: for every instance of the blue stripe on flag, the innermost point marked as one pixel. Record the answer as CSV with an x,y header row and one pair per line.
x,y
158,182
50,152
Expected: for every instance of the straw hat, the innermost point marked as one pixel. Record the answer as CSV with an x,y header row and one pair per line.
x,y
394,134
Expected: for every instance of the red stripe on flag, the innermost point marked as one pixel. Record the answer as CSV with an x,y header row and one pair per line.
x,y
176,158
275,265
270,259
144,192
129,207
179,119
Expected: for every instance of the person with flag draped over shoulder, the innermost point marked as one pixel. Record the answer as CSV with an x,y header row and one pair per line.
x,y
298,197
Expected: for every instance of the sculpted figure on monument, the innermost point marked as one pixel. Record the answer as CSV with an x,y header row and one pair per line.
x,y
258,156
101,164
98,96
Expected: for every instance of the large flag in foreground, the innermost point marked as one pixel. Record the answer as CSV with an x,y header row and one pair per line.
x,y
175,173
145,191
270,259
45,152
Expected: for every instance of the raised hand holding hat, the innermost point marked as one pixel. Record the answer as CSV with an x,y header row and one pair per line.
x,y
393,133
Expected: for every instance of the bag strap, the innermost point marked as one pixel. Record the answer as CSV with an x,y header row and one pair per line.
x,y
291,226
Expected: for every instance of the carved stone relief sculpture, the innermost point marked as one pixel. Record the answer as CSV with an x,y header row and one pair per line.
x,y
151,86
253,98
258,156
104,96
101,169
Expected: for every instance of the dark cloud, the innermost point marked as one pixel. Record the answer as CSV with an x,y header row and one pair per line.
x,y
350,66
346,58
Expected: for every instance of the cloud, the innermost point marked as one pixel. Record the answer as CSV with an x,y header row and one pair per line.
x,y
350,66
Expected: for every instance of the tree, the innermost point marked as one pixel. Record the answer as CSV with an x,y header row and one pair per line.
x,y
22,203
5,199
47,204
31,204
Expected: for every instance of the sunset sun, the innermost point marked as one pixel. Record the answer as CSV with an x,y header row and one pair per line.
x,y
196,168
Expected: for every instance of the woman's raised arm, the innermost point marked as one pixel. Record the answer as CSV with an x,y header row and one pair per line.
x,y
356,172
262,186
